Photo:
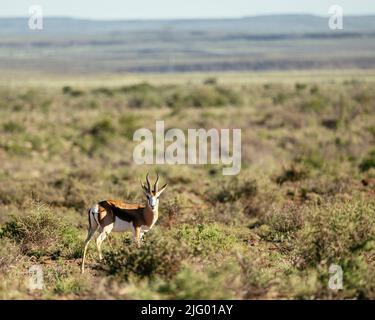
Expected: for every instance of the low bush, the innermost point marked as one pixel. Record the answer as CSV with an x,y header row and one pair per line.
x,y
13,127
128,125
68,90
156,257
203,240
40,232
334,231
9,253
300,86
293,173
368,162
315,104
190,284
234,189
280,224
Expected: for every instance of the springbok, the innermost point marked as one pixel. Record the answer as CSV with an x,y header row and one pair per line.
x,y
117,216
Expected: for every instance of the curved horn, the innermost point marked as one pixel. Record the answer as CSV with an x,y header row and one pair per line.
x,y
142,185
148,182
156,182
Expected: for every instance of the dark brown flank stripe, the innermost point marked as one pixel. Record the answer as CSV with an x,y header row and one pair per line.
x,y
135,213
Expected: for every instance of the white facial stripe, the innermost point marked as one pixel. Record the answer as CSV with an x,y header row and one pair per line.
x,y
152,201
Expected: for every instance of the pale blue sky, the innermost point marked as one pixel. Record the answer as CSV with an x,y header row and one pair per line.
x,y
154,9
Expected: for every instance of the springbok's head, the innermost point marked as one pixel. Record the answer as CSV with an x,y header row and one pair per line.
x,y
154,193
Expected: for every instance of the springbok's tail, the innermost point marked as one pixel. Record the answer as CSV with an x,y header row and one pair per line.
x,y
89,217
93,215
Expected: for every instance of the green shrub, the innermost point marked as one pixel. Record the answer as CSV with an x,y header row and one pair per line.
x,y
315,104
257,272
171,208
314,90
13,127
201,97
129,123
142,88
144,95
293,173
281,224
71,243
69,285
371,130
35,231
203,240
104,91
312,283
280,98
210,81
368,162
334,231
358,274
313,159
141,101
325,186
331,123
300,86
67,90
102,130
9,252
156,257
191,284
41,232
75,194
64,280
233,189
100,133
363,97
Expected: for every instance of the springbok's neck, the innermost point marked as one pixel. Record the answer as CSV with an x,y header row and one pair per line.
x,y
150,215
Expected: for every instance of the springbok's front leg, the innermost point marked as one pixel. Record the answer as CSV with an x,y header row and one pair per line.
x,y
137,236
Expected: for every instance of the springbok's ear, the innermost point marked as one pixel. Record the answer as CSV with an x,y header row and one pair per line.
x,y
161,190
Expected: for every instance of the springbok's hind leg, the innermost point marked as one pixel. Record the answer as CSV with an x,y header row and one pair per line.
x,y
103,234
90,234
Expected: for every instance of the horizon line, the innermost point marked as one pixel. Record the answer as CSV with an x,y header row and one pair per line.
x,y
186,18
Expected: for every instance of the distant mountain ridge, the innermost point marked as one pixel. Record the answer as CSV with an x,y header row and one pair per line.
x,y
281,42
266,24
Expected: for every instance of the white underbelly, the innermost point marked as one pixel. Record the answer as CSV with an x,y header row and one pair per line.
x,y
122,226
